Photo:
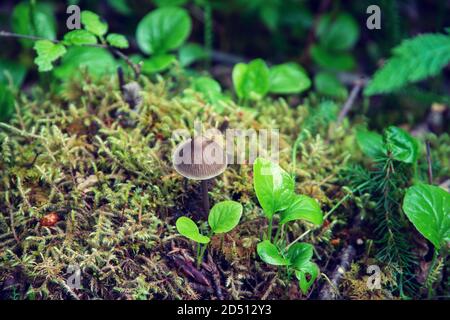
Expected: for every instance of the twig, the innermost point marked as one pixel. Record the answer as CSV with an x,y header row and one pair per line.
x,y
13,230
350,100
136,67
429,162
328,290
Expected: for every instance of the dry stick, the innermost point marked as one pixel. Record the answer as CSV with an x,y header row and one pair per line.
x,y
136,67
328,290
121,79
430,168
351,99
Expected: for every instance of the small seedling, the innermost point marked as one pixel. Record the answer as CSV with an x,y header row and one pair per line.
x,y
274,189
223,217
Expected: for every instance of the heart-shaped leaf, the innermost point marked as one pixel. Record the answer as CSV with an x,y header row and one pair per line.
x,y
189,229
269,253
428,208
251,81
299,254
274,187
163,29
302,207
224,216
403,146
288,78
308,269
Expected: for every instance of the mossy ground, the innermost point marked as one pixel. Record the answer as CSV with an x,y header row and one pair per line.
x,y
105,170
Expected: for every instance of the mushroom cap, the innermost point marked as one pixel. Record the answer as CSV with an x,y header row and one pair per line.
x,y
199,158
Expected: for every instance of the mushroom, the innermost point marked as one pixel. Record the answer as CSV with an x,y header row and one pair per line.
x,y
202,159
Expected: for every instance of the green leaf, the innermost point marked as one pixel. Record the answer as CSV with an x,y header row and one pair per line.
x,y
342,61
190,53
120,6
97,61
403,146
428,208
327,84
302,207
371,143
224,216
168,3
251,81
299,254
209,88
288,78
337,32
6,103
93,23
158,63
79,38
274,187
117,40
37,21
189,229
12,71
311,269
269,253
163,29
47,52
413,60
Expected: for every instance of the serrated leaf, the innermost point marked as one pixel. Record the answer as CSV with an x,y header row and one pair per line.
x,y
274,187
79,38
47,52
288,78
224,216
302,207
189,229
93,23
163,29
428,208
413,60
251,81
117,40
269,253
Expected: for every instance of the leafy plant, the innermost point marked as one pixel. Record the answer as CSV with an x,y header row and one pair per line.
x,y
251,81
254,80
296,258
161,31
413,60
428,208
274,189
223,217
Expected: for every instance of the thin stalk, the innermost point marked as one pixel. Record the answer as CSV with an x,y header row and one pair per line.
x,y
202,252
269,229
205,196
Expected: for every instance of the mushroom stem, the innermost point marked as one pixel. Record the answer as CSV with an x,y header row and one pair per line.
x,y
205,196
